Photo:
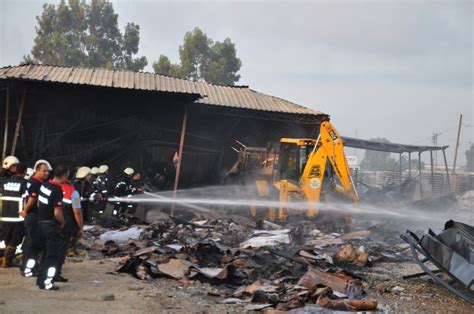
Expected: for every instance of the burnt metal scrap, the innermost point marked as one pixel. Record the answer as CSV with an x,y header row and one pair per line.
x,y
265,266
451,252
262,269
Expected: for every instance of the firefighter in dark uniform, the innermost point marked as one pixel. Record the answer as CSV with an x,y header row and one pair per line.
x,y
32,244
94,173
51,223
102,191
136,187
14,187
122,190
8,169
83,186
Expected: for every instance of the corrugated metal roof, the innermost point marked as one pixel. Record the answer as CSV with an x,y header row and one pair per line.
x,y
388,147
229,96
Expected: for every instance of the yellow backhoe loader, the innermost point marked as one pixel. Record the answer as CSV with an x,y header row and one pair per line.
x,y
302,170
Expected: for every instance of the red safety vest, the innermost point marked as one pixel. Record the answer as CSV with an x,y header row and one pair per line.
x,y
68,189
68,211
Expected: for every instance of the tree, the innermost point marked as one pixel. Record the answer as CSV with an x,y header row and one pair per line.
x,y
80,34
165,67
202,59
470,159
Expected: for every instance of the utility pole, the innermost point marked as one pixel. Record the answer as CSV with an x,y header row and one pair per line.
x,y
434,140
457,144
5,134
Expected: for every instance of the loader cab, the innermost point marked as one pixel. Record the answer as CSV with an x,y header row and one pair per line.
x,y
293,157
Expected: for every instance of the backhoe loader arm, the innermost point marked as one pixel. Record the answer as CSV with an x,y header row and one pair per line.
x,y
329,147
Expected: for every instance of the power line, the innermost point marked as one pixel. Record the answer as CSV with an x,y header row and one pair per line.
x,y
441,132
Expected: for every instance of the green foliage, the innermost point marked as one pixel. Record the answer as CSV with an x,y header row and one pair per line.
x,y
202,59
165,67
77,33
470,159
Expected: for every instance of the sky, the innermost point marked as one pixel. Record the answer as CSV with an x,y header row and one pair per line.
x,y
401,70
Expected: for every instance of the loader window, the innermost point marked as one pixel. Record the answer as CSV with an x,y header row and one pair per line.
x,y
289,162
304,155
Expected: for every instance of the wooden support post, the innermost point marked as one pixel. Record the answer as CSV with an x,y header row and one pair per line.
x,y
457,144
282,213
180,156
18,122
448,183
400,167
432,171
420,174
409,164
7,113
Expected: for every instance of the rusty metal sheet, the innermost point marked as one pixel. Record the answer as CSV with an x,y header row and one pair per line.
x,y
175,268
336,281
228,96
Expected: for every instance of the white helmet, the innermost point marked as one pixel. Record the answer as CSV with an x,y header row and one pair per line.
x,y
43,161
29,173
94,170
103,169
82,172
128,171
10,161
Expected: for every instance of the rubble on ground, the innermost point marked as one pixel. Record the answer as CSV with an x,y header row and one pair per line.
x,y
259,264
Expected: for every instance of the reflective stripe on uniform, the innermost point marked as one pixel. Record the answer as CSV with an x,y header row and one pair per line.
x,y
45,190
30,264
43,200
67,201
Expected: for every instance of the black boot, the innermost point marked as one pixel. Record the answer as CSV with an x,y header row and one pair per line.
x,y
9,255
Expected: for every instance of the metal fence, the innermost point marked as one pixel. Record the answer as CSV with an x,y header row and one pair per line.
x,y
431,185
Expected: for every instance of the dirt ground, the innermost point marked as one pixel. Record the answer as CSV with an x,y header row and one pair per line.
x,y
92,280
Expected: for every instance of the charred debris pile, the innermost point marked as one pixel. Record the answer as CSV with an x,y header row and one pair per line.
x,y
259,264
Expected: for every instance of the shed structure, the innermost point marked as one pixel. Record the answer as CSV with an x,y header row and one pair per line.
x,y
88,116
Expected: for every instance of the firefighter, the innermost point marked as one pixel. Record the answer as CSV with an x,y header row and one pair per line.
x,y
8,169
136,187
94,172
73,219
83,186
51,226
32,244
122,189
93,180
102,191
14,187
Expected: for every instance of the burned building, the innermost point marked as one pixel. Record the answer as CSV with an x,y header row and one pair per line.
x,y
88,116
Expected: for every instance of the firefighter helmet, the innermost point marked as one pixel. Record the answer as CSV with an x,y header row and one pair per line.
x,y
10,161
29,173
103,169
128,171
43,161
82,172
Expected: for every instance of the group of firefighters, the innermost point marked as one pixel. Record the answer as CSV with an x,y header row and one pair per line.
x,y
44,210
